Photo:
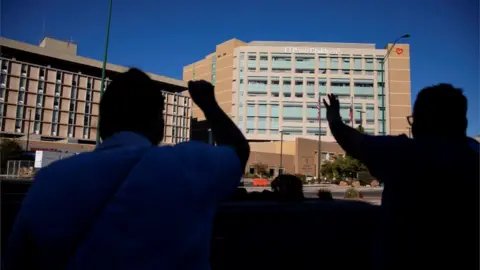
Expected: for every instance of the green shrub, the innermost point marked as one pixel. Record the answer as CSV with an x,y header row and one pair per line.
x,y
352,193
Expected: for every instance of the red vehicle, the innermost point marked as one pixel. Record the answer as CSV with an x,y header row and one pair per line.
x,y
261,182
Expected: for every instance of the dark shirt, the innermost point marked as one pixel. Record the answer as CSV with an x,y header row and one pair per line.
x,y
126,205
429,203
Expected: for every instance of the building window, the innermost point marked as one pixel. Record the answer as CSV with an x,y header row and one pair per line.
x,y
18,125
24,70
4,65
54,130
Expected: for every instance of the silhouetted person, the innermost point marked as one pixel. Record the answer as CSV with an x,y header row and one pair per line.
x,y
420,227
325,195
268,195
288,187
255,196
240,194
130,204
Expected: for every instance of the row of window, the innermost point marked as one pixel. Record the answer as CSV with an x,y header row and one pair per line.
x,y
273,121
21,125
292,131
345,62
60,80
312,71
252,56
251,80
310,112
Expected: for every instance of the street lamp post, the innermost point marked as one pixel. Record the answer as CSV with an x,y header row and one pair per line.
x,y
210,137
104,66
383,80
280,167
28,129
319,145
361,116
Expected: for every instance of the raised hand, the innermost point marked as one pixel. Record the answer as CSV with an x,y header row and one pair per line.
x,y
202,93
333,108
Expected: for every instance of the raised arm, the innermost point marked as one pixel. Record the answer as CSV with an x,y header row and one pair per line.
x,y
352,141
224,130
376,152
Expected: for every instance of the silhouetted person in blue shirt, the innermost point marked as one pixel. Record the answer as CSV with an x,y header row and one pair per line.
x,y
130,204
422,226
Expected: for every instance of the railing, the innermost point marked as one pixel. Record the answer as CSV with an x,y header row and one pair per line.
x,y
20,168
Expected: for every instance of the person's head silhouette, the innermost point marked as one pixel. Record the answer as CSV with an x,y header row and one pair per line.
x,y
439,111
132,102
288,187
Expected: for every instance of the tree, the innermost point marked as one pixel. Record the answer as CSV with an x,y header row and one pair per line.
x,y
353,166
327,169
260,168
9,149
342,167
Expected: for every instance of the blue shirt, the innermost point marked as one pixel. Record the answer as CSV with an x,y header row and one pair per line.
x,y
126,205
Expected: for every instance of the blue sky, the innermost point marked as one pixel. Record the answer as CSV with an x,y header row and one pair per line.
x,y
163,36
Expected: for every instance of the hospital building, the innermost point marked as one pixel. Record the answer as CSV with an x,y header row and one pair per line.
x,y
271,90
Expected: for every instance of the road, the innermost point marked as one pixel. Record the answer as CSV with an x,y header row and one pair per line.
x,y
369,194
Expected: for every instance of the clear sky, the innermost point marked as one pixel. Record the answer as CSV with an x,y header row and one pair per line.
x,y
163,36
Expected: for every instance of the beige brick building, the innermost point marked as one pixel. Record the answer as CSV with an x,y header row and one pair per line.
x,y
57,92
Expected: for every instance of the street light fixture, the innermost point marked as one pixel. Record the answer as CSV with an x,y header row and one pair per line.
x,y
383,80
104,67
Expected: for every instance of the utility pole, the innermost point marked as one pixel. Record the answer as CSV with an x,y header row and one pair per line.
x,y
280,167
104,66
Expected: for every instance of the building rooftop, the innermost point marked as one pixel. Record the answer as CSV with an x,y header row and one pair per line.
x,y
67,51
313,44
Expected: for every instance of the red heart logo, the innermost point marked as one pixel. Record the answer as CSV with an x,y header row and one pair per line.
x,y
399,51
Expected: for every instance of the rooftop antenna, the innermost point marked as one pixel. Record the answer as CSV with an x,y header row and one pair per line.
x,y
44,27
71,41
